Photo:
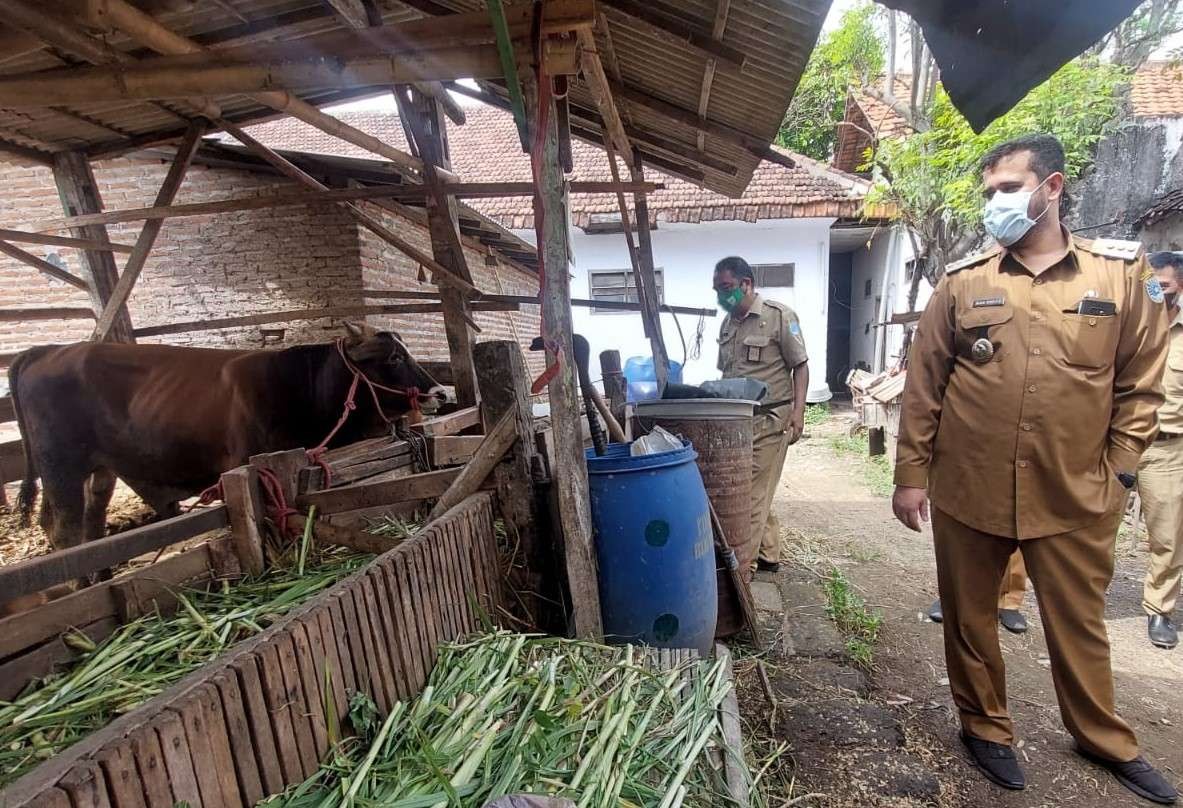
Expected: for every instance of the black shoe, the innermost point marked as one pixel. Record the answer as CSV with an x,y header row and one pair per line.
x,y
1138,776
1162,631
1012,620
934,612
767,566
996,761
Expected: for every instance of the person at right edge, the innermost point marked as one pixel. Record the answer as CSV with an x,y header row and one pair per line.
x,y
1032,388
1160,475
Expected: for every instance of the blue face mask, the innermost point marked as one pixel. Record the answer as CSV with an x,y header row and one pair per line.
x,y
1005,215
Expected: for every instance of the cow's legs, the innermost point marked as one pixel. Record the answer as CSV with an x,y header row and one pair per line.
x,y
64,510
99,489
161,500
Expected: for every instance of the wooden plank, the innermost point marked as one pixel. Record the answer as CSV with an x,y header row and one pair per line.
x,y
375,641
23,315
149,757
197,734
298,707
349,675
429,598
258,716
439,582
335,672
414,611
19,670
392,632
79,193
393,569
454,579
154,588
244,509
279,708
357,646
238,732
450,424
452,450
312,477
123,782
679,31
313,700
178,762
222,758
734,768
473,476
35,574
86,786
21,237
369,495
42,266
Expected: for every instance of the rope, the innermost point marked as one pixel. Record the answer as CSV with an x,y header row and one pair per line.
x,y
278,508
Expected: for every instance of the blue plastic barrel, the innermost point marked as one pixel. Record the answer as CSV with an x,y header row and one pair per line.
x,y
641,377
655,547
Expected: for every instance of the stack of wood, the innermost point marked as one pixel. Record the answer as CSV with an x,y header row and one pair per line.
x,y
884,388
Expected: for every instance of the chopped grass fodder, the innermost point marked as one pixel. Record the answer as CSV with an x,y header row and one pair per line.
x,y
513,713
145,657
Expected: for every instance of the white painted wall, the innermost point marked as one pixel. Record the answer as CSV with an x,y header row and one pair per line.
x,y
872,264
687,254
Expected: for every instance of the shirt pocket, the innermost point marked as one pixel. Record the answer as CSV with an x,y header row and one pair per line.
x,y
987,322
1089,340
756,349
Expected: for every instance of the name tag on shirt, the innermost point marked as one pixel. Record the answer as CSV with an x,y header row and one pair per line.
x,y
1096,307
985,302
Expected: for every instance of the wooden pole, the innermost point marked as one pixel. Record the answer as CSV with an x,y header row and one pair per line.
x,y
44,266
244,506
22,237
570,477
149,232
615,387
646,281
473,475
80,195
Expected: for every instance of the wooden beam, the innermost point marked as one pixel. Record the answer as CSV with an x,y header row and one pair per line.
x,y
722,9
41,265
646,282
35,574
451,424
45,313
669,166
26,153
286,316
244,509
677,30
148,233
446,450
570,478
150,80
79,193
61,241
597,82
414,488
472,476
351,12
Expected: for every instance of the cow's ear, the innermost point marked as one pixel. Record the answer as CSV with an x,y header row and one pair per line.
x,y
376,347
358,332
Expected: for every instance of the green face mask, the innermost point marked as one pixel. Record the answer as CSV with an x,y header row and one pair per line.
x,y
729,301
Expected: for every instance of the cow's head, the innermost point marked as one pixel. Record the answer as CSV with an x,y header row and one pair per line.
x,y
385,360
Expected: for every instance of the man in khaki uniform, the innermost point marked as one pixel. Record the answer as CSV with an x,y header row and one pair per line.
x,y
1160,474
761,339
1031,392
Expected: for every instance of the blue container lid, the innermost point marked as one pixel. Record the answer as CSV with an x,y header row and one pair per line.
x,y
617,460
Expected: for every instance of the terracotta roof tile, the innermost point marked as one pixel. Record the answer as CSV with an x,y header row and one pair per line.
x,y
1157,90
486,149
883,119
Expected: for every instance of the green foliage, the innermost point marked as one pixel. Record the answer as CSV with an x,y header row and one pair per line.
x,y
816,414
877,472
933,176
850,55
849,612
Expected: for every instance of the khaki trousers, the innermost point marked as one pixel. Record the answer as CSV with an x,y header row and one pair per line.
x,y
769,446
1070,572
1014,583
1160,486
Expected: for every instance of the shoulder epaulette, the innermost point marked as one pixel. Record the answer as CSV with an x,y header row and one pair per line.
x,y
973,260
1112,248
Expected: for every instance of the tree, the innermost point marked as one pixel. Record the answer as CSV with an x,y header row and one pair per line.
x,y
1131,43
850,55
932,176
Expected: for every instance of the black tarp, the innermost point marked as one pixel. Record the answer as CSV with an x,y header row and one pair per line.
x,y
993,52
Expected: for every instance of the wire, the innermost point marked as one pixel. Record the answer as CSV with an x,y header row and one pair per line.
x,y
681,336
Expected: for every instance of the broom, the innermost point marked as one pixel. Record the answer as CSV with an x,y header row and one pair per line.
x,y
738,579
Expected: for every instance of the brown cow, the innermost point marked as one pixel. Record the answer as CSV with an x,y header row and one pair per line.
x,y
169,420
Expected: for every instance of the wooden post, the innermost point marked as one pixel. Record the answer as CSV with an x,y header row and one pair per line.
x,y
149,232
876,441
505,386
244,503
550,206
615,388
425,118
646,282
80,194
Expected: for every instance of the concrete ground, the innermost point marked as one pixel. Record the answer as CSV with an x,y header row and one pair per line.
x,y
824,731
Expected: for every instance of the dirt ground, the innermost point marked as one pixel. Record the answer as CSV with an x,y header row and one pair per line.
x,y
902,705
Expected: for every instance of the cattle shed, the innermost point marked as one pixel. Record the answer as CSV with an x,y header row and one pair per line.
x,y
166,234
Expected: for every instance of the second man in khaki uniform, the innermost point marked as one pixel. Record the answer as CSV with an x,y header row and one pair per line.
x,y
761,339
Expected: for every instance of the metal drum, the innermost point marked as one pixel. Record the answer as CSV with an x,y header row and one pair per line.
x,y
720,430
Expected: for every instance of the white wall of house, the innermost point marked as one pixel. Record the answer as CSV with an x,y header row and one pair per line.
x,y
872,264
686,254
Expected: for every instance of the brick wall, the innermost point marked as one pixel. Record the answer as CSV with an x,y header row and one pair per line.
x,y
384,267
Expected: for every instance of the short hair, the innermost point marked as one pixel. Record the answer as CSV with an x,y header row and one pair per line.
x,y
1166,258
738,267
1047,155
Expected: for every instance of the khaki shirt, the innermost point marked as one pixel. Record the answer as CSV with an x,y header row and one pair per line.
x,y
1027,444
1170,414
765,345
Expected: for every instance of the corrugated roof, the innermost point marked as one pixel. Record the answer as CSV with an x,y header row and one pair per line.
x,y
486,149
1157,90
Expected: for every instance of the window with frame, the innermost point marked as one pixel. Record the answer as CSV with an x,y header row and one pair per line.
x,y
619,286
773,275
